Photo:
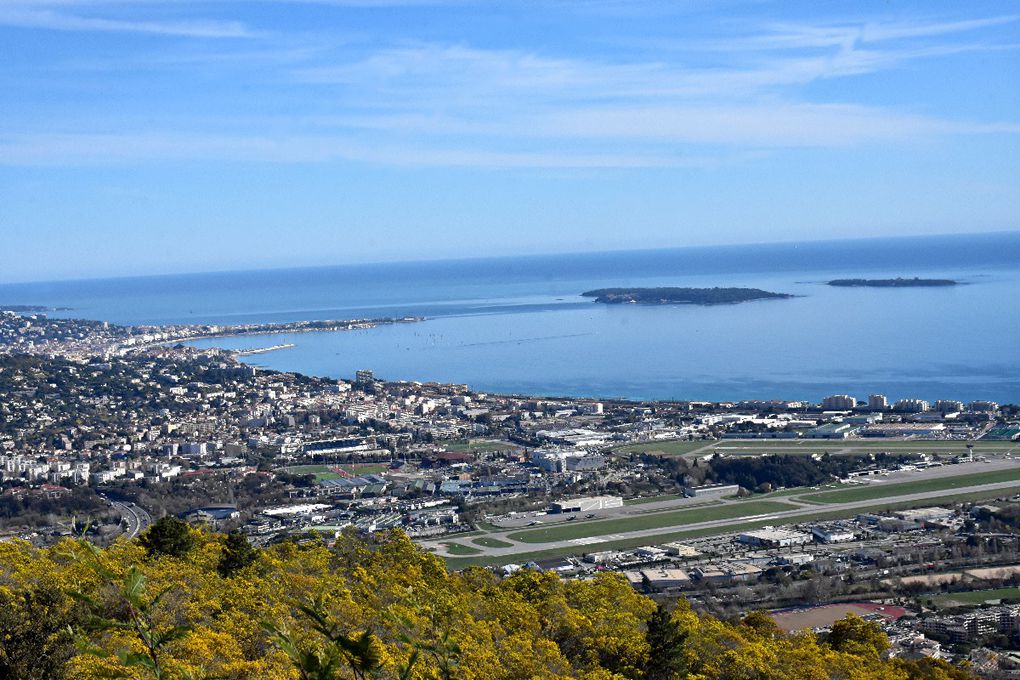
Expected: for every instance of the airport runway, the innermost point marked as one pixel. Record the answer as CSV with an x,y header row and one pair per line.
x,y
802,512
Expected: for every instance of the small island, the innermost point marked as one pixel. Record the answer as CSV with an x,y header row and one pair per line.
x,y
892,283
680,296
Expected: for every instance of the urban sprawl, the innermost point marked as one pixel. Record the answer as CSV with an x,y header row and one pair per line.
x,y
905,512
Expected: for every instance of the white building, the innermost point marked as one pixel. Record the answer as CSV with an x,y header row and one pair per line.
x,y
839,402
774,538
948,406
711,490
832,534
911,406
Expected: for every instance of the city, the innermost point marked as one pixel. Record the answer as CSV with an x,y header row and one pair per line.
x,y
906,512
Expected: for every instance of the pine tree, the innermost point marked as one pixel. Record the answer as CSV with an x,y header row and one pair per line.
x,y
238,553
168,536
666,641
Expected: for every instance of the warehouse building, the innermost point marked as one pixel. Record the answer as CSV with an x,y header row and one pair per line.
x,y
587,504
711,491
774,538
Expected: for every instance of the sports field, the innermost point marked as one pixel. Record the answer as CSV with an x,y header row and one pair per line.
x,y
976,596
877,490
465,445
323,472
656,520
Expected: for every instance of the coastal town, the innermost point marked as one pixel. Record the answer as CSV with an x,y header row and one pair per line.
x,y
903,510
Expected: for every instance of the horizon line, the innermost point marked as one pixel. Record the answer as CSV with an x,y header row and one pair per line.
x,y
480,258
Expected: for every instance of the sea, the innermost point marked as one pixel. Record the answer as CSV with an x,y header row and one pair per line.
x,y
520,325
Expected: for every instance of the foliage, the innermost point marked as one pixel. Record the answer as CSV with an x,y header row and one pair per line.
x,y
665,647
168,536
238,553
137,617
358,651
695,296
857,636
792,470
380,608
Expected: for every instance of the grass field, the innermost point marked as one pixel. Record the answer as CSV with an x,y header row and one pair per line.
x,y
686,534
652,499
670,448
758,447
796,491
565,532
455,548
976,596
884,490
487,542
736,446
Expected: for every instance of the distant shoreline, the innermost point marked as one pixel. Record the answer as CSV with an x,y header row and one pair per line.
x,y
32,309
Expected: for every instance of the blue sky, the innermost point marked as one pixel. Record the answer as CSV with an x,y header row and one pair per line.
x,y
149,137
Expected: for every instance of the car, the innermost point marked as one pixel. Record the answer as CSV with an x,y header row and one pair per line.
x,y
589,515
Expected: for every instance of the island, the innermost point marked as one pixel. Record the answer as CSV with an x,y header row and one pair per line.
x,y
892,283
31,309
680,296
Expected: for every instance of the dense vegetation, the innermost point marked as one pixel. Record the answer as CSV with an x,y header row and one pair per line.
x,y
892,283
790,470
687,296
754,473
188,604
37,508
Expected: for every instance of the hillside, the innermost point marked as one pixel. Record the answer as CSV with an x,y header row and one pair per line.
x,y
187,604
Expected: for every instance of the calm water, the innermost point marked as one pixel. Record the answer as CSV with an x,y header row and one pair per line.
x,y
519,324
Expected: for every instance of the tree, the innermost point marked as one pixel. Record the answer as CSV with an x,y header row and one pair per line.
x,y
168,536
666,642
238,553
854,635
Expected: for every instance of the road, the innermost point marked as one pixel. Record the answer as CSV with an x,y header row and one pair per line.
x,y
801,512
136,519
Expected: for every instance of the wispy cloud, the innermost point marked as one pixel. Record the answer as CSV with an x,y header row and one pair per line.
x,y
436,89
45,16
798,36
411,102
101,149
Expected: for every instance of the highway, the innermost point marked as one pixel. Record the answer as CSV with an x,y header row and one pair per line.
x,y
136,519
